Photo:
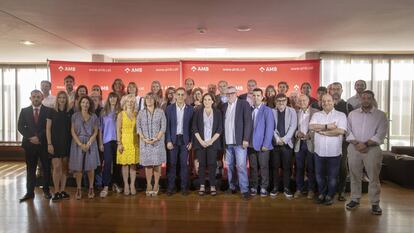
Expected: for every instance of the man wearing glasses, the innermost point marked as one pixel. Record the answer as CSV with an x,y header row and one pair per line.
x,y
237,133
285,128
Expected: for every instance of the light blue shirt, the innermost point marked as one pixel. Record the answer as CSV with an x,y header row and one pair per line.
x,y
108,127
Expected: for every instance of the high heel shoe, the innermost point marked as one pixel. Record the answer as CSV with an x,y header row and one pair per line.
x,y
126,190
91,193
202,190
133,190
155,192
78,194
148,192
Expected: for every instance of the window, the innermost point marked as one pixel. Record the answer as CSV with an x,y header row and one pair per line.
x,y
16,83
392,80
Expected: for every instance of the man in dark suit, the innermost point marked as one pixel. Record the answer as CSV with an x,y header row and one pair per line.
x,y
237,132
251,85
178,139
32,125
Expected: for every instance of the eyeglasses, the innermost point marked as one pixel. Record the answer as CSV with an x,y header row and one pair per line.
x,y
180,94
281,100
231,93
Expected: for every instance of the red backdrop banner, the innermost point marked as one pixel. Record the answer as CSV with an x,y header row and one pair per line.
x,y
103,74
265,73
294,72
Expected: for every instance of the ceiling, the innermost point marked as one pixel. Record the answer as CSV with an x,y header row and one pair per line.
x,y
165,29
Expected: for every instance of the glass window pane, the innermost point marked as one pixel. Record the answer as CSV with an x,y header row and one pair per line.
x,y
9,108
401,106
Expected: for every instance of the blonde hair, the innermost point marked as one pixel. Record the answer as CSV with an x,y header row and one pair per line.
x,y
127,98
57,102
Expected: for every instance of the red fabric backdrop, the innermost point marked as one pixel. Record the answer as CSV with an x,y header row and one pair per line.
x,y
174,73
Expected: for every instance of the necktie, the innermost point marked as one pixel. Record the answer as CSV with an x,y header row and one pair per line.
x,y
36,115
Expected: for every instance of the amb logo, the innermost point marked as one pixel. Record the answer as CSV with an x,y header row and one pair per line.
x,y
268,69
133,70
66,68
200,68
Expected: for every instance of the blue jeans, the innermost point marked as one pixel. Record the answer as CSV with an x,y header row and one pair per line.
x,y
236,158
327,170
305,161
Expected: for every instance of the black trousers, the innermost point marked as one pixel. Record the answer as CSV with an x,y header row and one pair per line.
x,y
343,170
207,157
282,158
33,153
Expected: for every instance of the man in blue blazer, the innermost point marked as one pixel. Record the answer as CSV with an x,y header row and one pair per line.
x,y
285,128
261,144
237,133
178,139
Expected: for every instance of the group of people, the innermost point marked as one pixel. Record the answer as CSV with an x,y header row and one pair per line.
x,y
266,134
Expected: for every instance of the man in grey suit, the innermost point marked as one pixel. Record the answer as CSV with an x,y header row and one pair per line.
x,y
285,128
304,149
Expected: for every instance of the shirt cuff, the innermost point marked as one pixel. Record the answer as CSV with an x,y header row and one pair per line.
x,y
377,140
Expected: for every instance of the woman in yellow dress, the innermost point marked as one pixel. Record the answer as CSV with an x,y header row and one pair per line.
x,y
127,154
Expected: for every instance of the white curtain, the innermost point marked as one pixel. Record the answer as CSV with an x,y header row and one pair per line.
x,y
392,80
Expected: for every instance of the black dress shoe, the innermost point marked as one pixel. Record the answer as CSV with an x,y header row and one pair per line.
x,y
376,210
246,196
328,200
231,191
320,199
56,197
170,193
27,197
352,205
47,195
64,195
185,192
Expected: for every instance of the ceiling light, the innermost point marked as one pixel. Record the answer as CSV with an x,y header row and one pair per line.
x,y
27,42
243,28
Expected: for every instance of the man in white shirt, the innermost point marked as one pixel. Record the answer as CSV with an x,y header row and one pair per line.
x,y
367,127
48,100
329,125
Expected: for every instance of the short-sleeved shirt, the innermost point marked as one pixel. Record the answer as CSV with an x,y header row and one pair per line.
x,y
329,146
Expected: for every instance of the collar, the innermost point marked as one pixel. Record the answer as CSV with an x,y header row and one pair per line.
x,y
36,107
179,106
258,107
370,111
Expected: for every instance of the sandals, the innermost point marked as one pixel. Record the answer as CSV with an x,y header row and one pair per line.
x,y
133,190
91,193
148,192
155,193
202,190
78,194
126,190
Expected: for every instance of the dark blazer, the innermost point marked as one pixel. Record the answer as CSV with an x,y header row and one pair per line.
x,y
243,96
171,131
198,127
243,121
27,127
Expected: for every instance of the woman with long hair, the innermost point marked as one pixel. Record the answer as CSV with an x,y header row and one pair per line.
x,y
84,155
81,91
207,127
118,87
168,98
108,143
156,89
58,127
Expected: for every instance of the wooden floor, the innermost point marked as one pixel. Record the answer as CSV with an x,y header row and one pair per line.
x,y
224,213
